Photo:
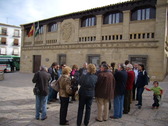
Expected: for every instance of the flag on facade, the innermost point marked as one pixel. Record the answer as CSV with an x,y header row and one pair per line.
x,y
37,29
31,32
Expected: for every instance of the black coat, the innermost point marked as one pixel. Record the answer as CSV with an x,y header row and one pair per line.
x,y
121,80
41,79
142,79
88,83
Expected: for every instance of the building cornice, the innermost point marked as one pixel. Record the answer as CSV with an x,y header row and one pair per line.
x,y
100,45
1,24
128,5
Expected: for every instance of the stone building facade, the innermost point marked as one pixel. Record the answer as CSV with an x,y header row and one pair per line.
x,y
134,30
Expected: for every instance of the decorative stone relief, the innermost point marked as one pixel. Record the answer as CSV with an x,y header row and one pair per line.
x,y
66,31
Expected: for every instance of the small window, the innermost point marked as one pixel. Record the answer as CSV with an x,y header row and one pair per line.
x,y
16,42
113,37
16,33
134,36
120,37
80,39
102,37
94,38
2,51
143,14
3,31
148,35
113,18
106,37
41,30
15,51
109,37
3,40
130,36
91,38
52,27
153,35
88,21
116,37
143,35
139,36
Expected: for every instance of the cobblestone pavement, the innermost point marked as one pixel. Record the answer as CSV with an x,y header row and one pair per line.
x,y
17,107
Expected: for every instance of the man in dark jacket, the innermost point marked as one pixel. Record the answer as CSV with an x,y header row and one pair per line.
x,y
104,92
121,79
41,78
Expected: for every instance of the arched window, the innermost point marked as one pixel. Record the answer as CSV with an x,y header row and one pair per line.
x,y
113,18
143,14
52,27
88,21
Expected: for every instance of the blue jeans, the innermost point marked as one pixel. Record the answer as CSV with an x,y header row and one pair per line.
x,y
52,94
139,93
41,105
118,106
84,101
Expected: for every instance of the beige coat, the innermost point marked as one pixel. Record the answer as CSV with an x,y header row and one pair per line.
x,y
65,86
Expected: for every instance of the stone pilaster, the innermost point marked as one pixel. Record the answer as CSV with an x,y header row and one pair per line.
x,y
98,27
77,23
126,21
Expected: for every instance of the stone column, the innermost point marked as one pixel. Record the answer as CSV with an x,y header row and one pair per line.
x,y
98,27
126,26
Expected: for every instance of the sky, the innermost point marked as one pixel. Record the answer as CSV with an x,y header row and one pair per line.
x,y
17,12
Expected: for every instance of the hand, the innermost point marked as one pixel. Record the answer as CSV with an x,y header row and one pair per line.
x,y
145,87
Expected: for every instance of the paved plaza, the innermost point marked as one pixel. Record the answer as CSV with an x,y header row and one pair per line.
x,y
17,107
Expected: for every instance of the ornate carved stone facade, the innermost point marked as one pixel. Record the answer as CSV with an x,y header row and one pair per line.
x,y
140,41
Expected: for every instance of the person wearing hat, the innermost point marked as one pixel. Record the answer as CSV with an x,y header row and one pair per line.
x,y
104,91
129,86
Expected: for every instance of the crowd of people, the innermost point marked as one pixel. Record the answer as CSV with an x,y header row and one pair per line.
x,y
123,83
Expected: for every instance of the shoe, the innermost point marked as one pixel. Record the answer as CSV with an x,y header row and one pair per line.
x,y
125,112
112,117
44,118
98,120
37,118
67,123
136,104
139,107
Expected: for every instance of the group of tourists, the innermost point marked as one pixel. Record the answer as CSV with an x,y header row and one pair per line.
x,y
123,83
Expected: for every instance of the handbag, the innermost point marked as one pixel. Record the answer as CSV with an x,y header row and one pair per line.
x,y
55,85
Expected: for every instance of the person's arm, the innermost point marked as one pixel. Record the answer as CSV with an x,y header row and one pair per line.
x,y
161,92
147,88
68,86
35,78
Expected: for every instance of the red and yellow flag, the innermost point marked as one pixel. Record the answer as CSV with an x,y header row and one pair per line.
x,y
31,32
